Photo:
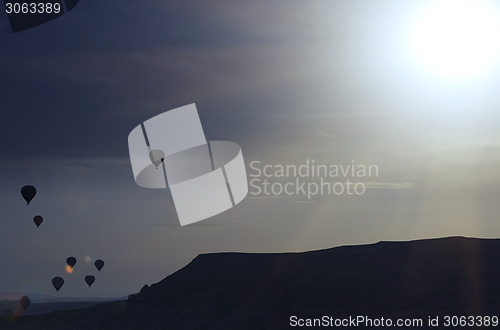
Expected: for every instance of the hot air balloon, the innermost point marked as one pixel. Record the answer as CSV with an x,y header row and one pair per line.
x,y
90,279
38,220
99,264
118,306
25,302
57,282
71,261
28,193
156,156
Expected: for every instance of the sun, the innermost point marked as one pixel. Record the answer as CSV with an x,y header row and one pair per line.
x,y
457,38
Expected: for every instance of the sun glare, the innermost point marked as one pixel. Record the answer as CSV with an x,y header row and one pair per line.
x,y
457,38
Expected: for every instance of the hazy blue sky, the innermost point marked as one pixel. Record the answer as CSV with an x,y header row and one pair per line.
x,y
333,81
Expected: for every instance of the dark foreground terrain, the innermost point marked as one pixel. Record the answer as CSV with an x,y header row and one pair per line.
x,y
9,307
417,279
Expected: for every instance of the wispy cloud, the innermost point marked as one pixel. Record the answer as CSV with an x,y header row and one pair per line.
x,y
389,185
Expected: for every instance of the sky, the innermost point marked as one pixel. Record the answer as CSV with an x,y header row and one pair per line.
x,y
331,81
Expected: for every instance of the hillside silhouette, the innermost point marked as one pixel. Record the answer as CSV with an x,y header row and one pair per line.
x,y
446,276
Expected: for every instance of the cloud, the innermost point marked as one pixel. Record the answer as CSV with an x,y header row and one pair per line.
x,y
389,185
267,196
490,145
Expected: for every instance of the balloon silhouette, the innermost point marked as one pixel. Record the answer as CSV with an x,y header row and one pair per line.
x,y
57,282
157,156
25,302
99,264
38,220
89,279
28,193
71,261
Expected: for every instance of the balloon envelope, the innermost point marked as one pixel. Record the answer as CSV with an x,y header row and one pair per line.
x,y
28,193
57,282
90,279
71,261
99,264
25,302
38,220
156,156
